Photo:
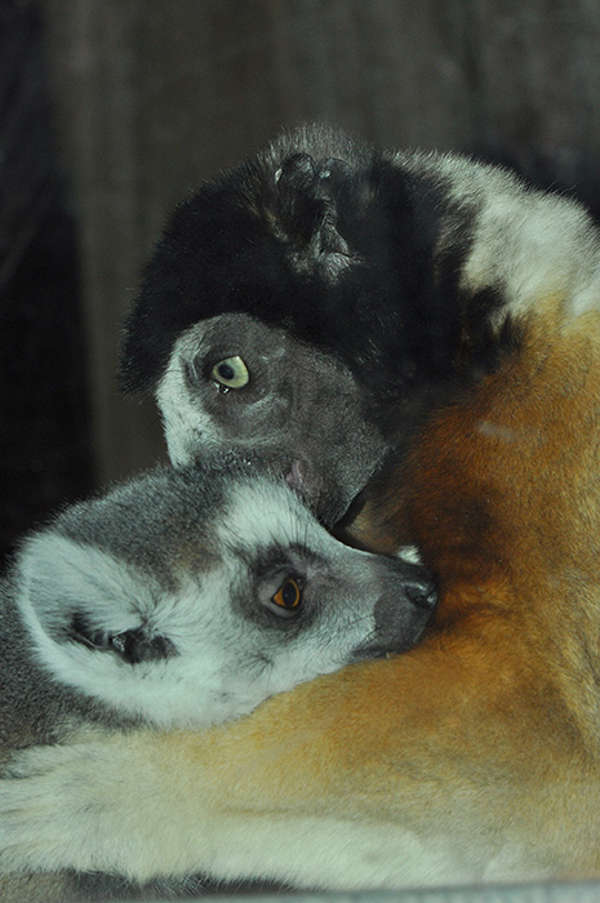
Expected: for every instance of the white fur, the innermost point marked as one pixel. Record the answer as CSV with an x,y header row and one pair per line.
x,y
184,419
410,554
260,514
205,683
73,812
531,245
185,689
226,663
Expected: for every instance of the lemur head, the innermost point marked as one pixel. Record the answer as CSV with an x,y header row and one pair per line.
x,y
307,303
188,597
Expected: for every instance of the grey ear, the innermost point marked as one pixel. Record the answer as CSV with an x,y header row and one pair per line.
x,y
308,209
74,592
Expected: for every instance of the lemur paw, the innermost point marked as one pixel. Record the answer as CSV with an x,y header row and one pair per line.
x,y
62,807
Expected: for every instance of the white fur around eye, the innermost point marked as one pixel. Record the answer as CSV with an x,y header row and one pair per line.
x,y
184,419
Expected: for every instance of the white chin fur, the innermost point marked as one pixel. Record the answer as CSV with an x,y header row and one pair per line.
x,y
410,554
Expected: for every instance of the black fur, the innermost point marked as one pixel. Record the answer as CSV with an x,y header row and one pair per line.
x,y
133,646
331,239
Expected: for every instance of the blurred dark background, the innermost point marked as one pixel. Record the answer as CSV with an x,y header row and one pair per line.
x,y
111,111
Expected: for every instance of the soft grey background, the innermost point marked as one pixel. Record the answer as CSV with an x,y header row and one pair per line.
x,y
153,97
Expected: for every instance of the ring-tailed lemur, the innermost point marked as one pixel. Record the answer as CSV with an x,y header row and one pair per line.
x,y
182,599
319,303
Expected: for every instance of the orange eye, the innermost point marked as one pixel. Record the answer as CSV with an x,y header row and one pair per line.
x,y
289,594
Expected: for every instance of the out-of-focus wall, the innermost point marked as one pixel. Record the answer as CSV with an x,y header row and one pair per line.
x,y
45,448
152,97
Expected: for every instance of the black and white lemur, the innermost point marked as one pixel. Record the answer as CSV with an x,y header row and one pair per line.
x,y
420,333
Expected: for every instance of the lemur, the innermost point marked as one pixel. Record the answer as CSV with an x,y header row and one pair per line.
x,y
184,598
421,333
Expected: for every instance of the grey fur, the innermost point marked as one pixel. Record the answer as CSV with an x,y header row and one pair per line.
x,y
360,308
300,405
154,605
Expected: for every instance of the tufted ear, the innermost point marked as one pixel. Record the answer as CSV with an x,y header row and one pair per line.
x,y
71,592
307,195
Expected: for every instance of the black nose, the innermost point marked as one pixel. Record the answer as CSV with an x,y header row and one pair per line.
x,y
422,593
401,613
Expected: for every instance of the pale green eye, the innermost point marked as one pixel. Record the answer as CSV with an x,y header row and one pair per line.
x,y
231,373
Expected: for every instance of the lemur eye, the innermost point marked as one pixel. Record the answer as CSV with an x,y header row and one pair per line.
x,y
288,596
231,373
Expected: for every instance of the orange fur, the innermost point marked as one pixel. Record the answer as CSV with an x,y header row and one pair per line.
x,y
491,726
476,755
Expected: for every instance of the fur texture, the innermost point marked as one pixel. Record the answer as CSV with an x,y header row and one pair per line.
x,y
184,599
473,757
362,288
470,346
156,603
408,267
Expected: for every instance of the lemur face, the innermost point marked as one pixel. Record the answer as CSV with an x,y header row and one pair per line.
x,y
188,597
319,301
236,383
